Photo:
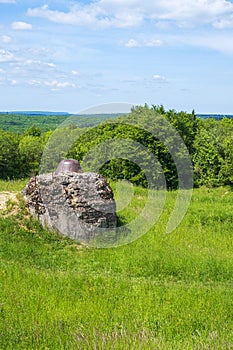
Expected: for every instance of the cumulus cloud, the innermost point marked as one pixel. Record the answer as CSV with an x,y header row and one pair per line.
x,y
21,26
121,13
93,14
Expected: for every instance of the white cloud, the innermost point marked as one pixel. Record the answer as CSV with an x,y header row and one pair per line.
x,y
54,84
7,1
121,13
143,43
159,78
191,9
132,43
94,14
216,42
153,43
78,15
8,81
74,72
6,56
40,51
21,26
34,82
51,65
224,23
35,64
147,82
5,39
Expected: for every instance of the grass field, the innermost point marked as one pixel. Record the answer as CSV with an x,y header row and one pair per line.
x,y
163,291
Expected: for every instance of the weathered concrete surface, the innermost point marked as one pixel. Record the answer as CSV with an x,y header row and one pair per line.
x,y
79,205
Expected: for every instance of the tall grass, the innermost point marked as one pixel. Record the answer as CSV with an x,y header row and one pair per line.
x,y
163,291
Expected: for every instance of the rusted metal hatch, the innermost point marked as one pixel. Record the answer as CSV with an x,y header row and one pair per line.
x,y
68,165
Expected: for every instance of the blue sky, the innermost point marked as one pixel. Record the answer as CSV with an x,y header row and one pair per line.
x,y
70,55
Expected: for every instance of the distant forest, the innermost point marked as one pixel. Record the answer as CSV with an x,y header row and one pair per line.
x,y
19,123
209,141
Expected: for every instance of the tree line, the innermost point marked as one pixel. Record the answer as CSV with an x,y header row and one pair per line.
x,y
209,143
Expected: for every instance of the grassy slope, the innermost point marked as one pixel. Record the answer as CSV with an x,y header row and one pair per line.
x,y
164,291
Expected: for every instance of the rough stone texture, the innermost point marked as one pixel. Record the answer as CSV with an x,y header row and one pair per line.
x,y
79,205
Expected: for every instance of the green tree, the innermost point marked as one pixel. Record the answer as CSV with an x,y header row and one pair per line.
x,y
10,165
33,131
213,157
206,159
148,128
30,151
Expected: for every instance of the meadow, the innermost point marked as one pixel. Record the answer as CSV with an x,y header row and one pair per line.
x,y
162,291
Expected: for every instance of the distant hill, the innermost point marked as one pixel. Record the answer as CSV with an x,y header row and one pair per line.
x,y
36,113
214,116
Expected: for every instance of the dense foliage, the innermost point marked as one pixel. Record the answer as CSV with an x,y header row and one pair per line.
x,y
208,141
154,141
213,156
20,156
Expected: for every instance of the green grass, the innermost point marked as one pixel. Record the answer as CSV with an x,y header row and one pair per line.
x,y
12,185
163,291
